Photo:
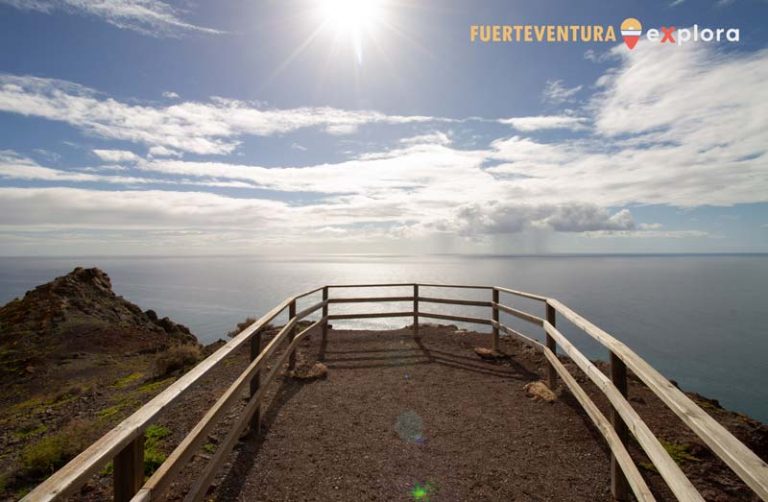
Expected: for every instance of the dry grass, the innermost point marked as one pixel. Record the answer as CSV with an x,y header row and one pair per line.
x,y
177,358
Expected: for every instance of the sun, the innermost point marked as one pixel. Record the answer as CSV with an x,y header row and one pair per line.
x,y
353,20
351,15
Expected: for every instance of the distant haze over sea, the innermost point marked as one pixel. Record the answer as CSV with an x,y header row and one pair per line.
x,y
699,319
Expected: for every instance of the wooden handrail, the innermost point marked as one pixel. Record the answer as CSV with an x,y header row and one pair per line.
x,y
194,440
636,481
525,316
449,301
74,474
744,462
374,315
522,294
668,469
453,286
373,299
224,448
307,293
384,285
123,443
446,317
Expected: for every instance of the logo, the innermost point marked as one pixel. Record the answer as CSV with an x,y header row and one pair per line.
x,y
631,29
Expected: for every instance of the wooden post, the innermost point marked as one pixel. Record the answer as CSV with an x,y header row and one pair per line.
x,y
256,383
416,309
324,336
292,334
325,316
495,316
128,470
619,485
551,345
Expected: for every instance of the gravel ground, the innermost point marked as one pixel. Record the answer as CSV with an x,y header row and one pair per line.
x,y
399,418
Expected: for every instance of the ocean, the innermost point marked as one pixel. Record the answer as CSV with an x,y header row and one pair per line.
x,y
699,319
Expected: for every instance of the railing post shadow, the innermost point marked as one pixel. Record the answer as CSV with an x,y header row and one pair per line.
x,y
495,317
619,485
256,383
128,470
551,345
416,310
324,337
292,334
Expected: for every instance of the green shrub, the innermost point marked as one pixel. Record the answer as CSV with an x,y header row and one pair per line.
x,y
28,430
127,380
69,394
679,452
45,456
152,387
153,457
111,411
155,433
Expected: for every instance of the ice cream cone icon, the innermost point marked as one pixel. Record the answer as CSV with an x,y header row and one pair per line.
x,y
631,29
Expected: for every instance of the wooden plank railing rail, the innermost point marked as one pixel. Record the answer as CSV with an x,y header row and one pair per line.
x,y
125,443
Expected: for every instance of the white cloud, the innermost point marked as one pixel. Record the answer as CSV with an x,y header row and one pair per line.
x,y
433,138
415,167
675,145
69,207
17,167
555,92
598,57
116,156
504,218
161,151
651,234
528,124
693,90
171,95
341,129
149,17
203,128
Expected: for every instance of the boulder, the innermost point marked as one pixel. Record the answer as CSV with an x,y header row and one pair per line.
x,y
539,391
489,354
308,371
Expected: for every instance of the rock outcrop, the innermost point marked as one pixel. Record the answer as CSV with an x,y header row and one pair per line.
x,y
77,314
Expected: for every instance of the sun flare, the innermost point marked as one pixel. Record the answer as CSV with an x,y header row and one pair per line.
x,y
351,15
354,20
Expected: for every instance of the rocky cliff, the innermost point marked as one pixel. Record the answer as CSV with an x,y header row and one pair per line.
x,y
78,314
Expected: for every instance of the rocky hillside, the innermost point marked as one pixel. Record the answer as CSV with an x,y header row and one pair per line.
x,y
75,359
78,314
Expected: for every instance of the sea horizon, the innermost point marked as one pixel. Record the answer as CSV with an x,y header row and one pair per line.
x,y
692,316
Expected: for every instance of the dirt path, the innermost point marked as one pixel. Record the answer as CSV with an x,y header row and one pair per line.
x,y
405,419
402,419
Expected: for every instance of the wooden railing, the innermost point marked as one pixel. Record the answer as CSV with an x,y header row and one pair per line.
x,y
124,444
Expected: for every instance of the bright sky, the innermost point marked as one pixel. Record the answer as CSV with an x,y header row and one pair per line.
x,y
159,127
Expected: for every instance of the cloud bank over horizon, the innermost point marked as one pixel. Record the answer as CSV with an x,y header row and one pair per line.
x,y
646,133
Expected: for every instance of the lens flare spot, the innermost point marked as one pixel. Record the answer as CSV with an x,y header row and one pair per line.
x,y
410,427
422,492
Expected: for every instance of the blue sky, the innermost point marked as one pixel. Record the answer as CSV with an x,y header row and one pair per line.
x,y
143,126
